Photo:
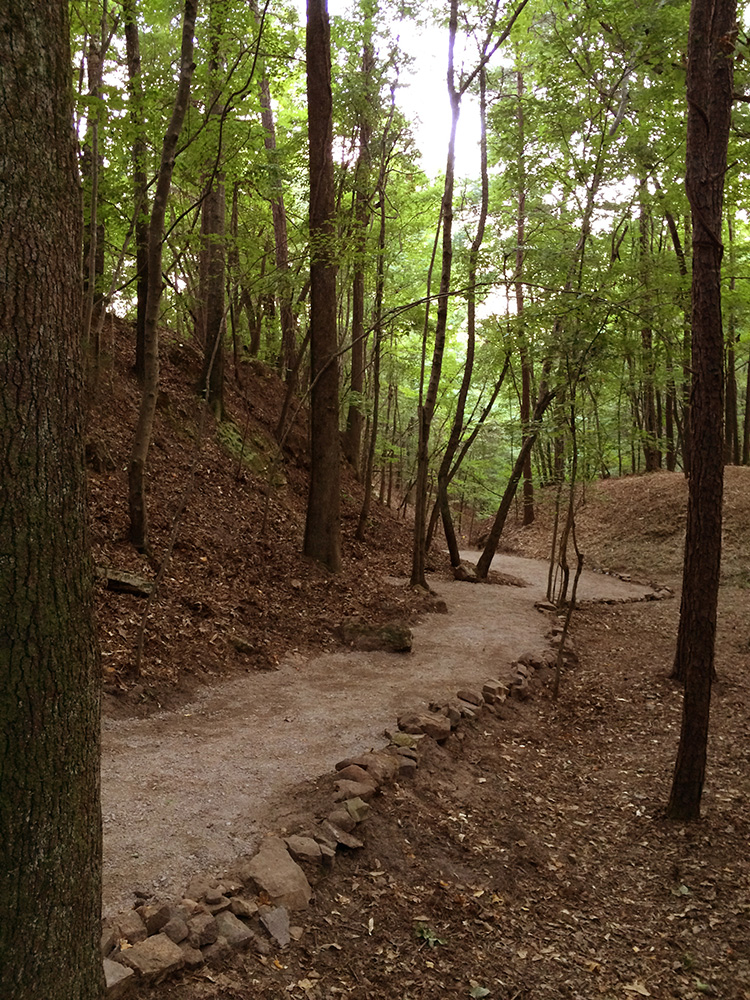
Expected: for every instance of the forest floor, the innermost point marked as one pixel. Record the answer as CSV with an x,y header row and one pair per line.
x,y
529,856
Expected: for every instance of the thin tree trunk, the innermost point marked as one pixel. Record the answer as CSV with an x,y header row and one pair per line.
x,y
485,560
355,419
140,180
322,527
709,98
458,419
144,427
213,230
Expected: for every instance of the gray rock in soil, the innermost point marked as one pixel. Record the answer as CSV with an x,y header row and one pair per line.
x,y
436,726
218,952
407,767
176,929
214,895
352,772
354,789
193,957
357,809
342,819
222,903
275,919
272,871
494,690
245,908
155,916
130,927
199,885
471,695
155,958
404,739
202,930
303,848
118,979
237,934
333,835
406,752
379,766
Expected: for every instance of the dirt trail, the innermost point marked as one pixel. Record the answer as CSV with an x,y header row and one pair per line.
x,y
192,790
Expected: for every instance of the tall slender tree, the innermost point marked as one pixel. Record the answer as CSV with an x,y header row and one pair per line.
x,y
50,821
322,527
144,427
709,99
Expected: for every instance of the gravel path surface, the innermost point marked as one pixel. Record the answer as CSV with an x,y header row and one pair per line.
x,y
190,791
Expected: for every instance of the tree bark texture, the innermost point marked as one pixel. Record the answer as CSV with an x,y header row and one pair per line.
x,y
362,194
322,527
140,179
213,230
709,97
144,427
50,821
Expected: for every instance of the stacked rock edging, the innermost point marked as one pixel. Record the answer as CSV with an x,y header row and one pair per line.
x,y
251,908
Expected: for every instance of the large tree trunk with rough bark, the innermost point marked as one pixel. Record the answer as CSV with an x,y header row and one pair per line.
x,y
709,98
322,527
50,821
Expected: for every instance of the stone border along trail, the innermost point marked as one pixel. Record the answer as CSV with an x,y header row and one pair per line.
x,y
193,790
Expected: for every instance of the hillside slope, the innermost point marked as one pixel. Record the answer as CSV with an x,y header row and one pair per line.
x,y
238,593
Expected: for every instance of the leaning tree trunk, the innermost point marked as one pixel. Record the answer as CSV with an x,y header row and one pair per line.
x,y
322,527
50,820
454,438
144,427
485,560
709,98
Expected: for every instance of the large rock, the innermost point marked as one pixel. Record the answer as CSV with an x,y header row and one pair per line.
x,y
130,927
155,958
230,927
272,871
202,930
379,767
304,848
436,726
118,979
354,789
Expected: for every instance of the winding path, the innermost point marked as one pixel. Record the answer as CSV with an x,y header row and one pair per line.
x,y
190,791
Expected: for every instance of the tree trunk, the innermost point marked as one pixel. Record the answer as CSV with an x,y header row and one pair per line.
x,y
709,98
355,418
322,527
50,820
651,451
526,363
457,428
213,232
485,560
285,294
427,409
140,179
144,427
